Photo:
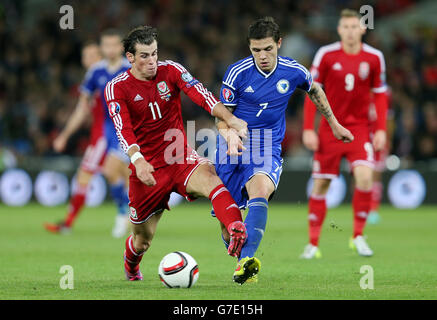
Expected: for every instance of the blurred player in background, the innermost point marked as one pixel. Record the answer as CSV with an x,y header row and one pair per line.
x,y
350,72
257,90
380,157
103,152
145,106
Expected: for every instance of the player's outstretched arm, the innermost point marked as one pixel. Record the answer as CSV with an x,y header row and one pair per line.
x,y
73,124
318,97
221,112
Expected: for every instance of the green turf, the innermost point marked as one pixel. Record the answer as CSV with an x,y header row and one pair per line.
x,y
404,264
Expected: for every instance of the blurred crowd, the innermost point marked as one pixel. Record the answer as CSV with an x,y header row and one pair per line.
x,y
40,68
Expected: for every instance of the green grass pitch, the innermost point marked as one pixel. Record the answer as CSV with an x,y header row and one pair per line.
x,y
404,264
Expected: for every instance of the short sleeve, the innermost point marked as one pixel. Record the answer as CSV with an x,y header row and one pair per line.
x,y
304,79
318,68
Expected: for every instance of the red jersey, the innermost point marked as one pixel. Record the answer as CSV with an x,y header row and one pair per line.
x,y
148,114
349,81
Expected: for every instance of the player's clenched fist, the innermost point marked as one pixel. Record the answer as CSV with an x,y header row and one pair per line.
x,y
144,172
341,133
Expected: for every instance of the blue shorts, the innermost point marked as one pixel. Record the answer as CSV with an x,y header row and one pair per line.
x,y
113,144
235,177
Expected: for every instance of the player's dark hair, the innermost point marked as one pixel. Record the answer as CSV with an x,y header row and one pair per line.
x,y
142,35
264,28
110,33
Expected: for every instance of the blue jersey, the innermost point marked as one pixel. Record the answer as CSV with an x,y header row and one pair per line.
x,y
96,79
261,99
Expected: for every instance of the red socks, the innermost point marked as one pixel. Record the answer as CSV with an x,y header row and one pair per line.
x,y
77,201
132,258
316,216
224,206
361,205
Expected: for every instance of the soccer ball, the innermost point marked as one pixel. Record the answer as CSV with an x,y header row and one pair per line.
x,y
178,270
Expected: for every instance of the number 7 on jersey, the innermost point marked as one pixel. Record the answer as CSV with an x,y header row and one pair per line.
x,y
263,107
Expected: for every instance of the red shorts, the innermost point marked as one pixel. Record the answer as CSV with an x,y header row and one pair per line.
x,y
94,155
146,201
327,159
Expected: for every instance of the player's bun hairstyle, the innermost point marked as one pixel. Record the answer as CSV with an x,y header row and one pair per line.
x,y
142,35
264,28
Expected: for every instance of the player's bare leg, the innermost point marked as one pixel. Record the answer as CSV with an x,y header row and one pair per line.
x,y
377,190
117,174
204,182
316,216
137,244
77,201
361,202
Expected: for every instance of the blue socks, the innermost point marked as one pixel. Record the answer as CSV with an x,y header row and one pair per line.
x,y
120,197
255,221
225,243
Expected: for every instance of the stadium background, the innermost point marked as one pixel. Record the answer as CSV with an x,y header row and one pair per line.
x,y
40,70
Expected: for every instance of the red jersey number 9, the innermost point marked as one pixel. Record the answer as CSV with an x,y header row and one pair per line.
x,y
349,81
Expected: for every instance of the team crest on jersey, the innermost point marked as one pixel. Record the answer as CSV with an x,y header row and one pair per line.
x,y
363,70
114,108
282,86
228,95
164,91
162,87
133,213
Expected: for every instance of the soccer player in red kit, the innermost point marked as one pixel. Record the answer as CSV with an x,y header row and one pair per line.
x,y
380,158
350,72
95,151
145,105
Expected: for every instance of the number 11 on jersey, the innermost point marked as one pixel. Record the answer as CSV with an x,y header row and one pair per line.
x,y
263,107
152,107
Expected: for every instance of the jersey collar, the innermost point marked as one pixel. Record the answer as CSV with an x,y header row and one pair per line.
x,y
266,75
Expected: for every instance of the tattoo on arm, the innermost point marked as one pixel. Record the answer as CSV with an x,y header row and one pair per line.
x,y
318,97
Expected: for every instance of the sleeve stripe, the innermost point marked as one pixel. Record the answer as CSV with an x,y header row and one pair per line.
x,y
118,127
323,50
234,77
227,84
380,89
376,52
301,68
209,98
121,77
177,66
237,67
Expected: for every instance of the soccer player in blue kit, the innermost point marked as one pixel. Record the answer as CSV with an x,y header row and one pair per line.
x,y
257,90
114,166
